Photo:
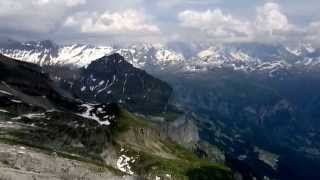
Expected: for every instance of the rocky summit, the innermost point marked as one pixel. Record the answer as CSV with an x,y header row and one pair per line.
x,y
112,79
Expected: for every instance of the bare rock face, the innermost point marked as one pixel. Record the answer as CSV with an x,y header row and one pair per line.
x,y
183,130
19,162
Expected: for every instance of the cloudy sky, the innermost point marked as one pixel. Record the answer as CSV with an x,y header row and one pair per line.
x,y
118,21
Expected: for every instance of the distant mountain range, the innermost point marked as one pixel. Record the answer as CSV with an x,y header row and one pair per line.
x,y
253,106
171,57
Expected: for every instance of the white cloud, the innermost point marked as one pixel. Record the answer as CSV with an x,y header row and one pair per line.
x,y
215,23
36,16
270,18
128,21
270,24
9,7
313,33
174,3
72,3
314,27
68,3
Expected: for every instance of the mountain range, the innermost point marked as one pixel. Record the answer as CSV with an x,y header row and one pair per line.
x,y
251,106
154,58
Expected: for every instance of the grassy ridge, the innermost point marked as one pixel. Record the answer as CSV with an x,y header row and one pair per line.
x,y
181,164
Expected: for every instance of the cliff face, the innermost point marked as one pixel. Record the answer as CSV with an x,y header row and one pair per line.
x,y
182,129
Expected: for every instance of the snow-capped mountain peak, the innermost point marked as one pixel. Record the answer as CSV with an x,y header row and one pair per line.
x,y
80,55
212,52
166,55
301,49
158,57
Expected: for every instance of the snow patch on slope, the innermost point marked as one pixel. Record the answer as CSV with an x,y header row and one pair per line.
x,y
123,164
5,92
90,113
3,111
